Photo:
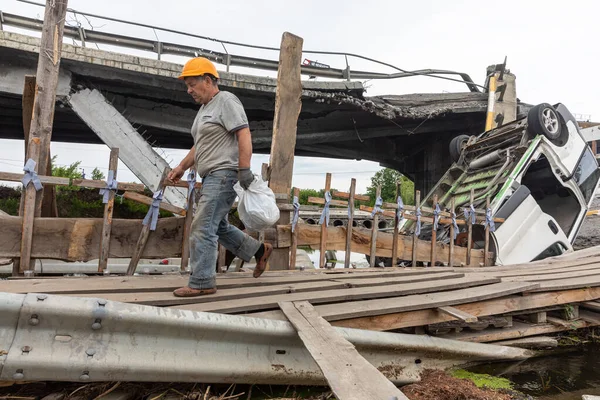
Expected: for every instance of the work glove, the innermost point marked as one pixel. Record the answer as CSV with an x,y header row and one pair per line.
x,y
245,177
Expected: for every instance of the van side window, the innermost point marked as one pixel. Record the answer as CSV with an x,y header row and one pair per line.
x,y
555,249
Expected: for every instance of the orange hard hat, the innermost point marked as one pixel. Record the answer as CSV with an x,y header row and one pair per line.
x,y
197,67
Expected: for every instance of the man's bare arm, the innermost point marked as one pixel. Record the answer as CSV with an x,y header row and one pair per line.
x,y
245,147
187,162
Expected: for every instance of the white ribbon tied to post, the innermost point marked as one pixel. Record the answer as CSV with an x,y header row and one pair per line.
x,y
325,213
454,224
296,216
489,221
191,180
400,210
111,184
470,214
377,208
436,217
31,175
152,215
418,227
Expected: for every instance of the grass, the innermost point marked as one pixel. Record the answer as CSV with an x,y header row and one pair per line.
x,y
483,380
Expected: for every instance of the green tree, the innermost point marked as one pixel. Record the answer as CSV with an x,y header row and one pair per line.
x,y
63,171
97,175
387,178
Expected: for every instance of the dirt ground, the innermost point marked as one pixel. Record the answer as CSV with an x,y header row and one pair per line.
x,y
589,234
438,385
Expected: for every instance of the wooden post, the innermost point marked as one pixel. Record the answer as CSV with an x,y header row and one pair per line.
x,y
433,234
415,237
141,243
108,213
43,116
322,247
287,108
221,259
187,228
350,222
294,247
470,231
487,236
374,231
396,230
451,250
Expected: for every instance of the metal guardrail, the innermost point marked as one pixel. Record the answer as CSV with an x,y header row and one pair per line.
x,y
224,58
62,338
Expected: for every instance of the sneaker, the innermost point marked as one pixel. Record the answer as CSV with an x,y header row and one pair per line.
x,y
187,291
261,264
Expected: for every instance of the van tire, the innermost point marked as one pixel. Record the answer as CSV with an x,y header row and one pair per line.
x,y
456,146
544,120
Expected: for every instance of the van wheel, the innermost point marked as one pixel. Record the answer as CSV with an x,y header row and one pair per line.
x,y
544,120
456,146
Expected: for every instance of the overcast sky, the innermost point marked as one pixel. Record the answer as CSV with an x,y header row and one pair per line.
x,y
551,47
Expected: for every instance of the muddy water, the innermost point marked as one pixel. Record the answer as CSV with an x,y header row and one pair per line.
x,y
563,376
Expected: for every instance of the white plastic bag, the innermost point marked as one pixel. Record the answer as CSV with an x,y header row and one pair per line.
x,y
257,206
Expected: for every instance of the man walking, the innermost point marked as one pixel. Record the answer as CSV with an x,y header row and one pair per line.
x,y
221,155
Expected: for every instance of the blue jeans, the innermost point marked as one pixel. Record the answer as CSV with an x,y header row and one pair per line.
x,y
210,226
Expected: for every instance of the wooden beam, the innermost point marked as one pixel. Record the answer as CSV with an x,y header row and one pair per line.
x,y
479,309
309,235
428,210
415,236
294,248
396,229
452,233
351,197
140,198
458,314
187,229
113,165
285,124
344,195
332,203
323,241
470,232
143,239
434,236
348,374
374,230
486,247
89,183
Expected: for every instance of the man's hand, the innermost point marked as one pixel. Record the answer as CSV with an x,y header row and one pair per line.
x,y
245,177
176,174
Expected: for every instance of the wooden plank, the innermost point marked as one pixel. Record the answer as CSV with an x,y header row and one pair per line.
x,y
140,198
92,184
518,330
548,275
590,305
362,282
108,214
344,195
396,230
45,180
78,239
332,203
434,237
386,293
509,304
349,375
323,238
351,197
232,280
589,317
470,233
415,236
294,247
145,233
374,230
452,233
221,258
572,283
309,235
385,306
486,247
428,210
458,314
187,229
164,298
285,122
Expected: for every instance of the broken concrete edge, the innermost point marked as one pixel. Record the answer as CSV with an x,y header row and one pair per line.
x,y
155,67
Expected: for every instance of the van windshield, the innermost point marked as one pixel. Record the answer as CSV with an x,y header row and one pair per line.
x,y
587,174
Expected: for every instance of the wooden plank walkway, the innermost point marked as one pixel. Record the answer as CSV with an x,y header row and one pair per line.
x,y
371,298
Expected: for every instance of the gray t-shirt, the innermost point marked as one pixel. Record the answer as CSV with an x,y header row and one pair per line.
x,y
215,141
